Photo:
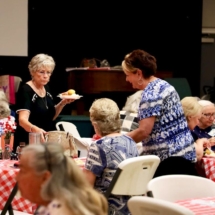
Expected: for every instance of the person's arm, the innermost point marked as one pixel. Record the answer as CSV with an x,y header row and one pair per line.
x,y
59,107
29,127
90,176
94,165
200,144
144,129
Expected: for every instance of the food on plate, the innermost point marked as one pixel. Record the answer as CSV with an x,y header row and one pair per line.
x,y
79,162
69,92
209,152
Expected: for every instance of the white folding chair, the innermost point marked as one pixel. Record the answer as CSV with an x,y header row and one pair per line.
x,y
133,175
68,127
180,187
71,128
141,205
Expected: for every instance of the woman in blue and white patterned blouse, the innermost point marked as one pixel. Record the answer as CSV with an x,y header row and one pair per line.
x,y
163,128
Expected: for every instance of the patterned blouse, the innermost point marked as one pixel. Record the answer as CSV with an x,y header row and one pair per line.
x,y
170,135
103,159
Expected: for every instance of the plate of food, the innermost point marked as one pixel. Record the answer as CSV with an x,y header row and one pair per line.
x,y
209,153
70,94
79,162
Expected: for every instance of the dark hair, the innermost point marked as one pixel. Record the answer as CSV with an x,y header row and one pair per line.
x,y
142,60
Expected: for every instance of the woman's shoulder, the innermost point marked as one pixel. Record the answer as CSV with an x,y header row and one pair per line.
x,y
26,87
158,89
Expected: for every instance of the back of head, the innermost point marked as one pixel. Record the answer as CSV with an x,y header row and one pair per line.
x,y
4,106
105,115
139,59
41,61
66,182
191,106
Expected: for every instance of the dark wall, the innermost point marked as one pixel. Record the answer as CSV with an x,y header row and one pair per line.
x,y
70,31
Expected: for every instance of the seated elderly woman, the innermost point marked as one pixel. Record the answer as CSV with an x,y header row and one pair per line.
x,y
106,153
56,184
193,111
128,114
204,129
4,106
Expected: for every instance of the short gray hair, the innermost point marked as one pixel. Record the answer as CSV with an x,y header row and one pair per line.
x,y
204,103
67,182
39,61
4,106
105,115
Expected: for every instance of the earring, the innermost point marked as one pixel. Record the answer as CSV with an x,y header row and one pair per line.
x,y
140,81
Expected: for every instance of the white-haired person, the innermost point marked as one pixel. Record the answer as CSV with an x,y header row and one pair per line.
x,y
193,112
35,105
205,129
4,106
107,153
56,184
128,114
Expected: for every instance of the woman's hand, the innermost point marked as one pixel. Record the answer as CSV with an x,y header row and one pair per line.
x,y
212,141
41,131
66,101
204,142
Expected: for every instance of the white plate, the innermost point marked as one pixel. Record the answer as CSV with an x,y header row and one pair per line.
x,y
74,96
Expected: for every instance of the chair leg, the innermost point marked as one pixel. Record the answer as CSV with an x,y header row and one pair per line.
x,y
8,206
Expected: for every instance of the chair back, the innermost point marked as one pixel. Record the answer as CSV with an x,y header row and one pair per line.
x,y
133,175
181,85
141,205
68,127
179,187
17,81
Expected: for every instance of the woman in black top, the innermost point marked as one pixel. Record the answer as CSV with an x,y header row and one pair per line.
x,y
36,109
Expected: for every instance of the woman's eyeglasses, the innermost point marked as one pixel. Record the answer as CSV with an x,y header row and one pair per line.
x,y
42,73
209,115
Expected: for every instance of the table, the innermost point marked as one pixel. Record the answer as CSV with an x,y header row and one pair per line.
x,y
200,206
207,165
80,162
7,182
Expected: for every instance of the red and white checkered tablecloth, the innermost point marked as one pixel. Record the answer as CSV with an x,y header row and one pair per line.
x,y
207,164
7,182
201,206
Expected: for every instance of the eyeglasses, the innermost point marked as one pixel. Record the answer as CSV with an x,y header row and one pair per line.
x,y
209,115
42,73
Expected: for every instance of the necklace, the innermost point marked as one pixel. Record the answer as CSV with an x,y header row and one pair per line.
x,y
45,102
43,98
40,93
